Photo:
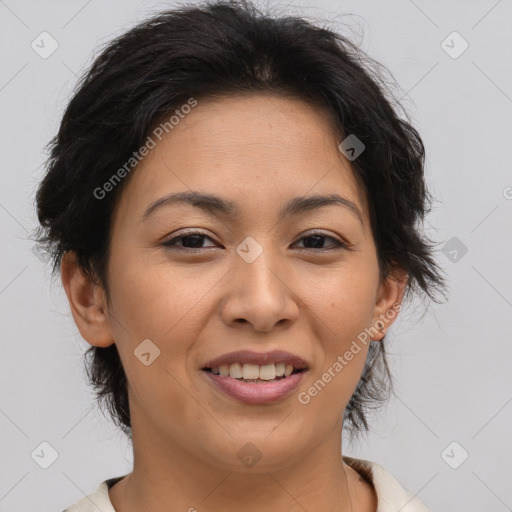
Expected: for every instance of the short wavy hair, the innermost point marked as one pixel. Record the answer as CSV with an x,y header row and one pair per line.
x,y
213,50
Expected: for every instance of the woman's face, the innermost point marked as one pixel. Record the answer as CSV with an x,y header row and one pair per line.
x,y
250,279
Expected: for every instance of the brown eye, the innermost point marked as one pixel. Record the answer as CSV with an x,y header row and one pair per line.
x,y
192,241
316,241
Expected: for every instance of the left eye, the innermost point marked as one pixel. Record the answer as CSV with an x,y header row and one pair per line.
x,y
317,239
194,241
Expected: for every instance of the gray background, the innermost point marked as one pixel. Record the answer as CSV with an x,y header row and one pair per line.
x,y
452,365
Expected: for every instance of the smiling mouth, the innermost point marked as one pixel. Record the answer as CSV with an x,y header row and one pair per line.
x,y
254,373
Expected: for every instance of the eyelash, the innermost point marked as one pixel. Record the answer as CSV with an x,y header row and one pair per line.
x,y
170,244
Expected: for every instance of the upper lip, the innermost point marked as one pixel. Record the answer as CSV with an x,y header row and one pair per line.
x,y
259,358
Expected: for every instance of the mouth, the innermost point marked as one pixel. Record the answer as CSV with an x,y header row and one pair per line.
x,y
254,373
256,378
251,366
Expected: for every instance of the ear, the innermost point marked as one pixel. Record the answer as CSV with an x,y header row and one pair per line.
x,y
87,301
389,301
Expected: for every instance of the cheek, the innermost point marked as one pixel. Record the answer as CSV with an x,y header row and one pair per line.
x,y
170,307
154,299
342,306
344,314
155,320
342,301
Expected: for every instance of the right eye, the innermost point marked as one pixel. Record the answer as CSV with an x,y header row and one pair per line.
x,y
192,241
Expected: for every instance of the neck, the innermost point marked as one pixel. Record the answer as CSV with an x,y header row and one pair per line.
x,y
170,478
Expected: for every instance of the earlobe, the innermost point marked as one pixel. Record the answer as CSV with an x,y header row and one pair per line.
x,y
389,301
87,303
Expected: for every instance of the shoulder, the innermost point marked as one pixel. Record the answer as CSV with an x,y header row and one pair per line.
x,y
391,496
97,500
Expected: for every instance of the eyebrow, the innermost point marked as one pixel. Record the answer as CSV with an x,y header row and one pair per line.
x,y
215,205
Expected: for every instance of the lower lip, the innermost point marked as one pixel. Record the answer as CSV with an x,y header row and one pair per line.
x,y
256,392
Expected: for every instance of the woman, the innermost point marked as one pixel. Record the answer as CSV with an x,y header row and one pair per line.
x,y
234,208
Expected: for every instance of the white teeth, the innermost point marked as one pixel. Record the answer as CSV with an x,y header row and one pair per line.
x,y
235,371
250,371
253,371
267,372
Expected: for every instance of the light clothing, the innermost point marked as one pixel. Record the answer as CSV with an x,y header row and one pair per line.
x,y
391,496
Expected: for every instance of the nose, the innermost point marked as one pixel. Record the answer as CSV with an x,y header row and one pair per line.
x,y
260,294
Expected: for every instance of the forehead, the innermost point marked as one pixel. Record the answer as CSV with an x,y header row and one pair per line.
x,y
249,148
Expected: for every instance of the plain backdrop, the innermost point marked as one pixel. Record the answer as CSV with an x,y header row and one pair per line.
x,y
446,436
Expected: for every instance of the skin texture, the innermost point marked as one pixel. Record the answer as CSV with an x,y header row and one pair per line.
x,y
258,151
